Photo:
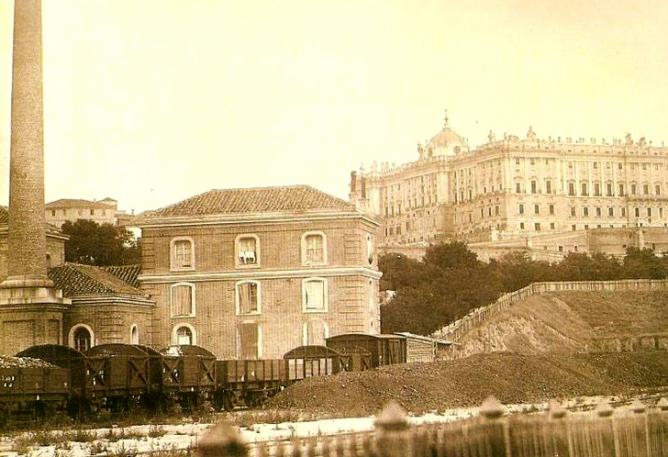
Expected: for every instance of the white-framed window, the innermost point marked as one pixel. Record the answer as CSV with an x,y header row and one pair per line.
x,y
315,332
184,335
314,248
81,337
314,295
249,340
182,253
182,299
134,334
248,299
247,251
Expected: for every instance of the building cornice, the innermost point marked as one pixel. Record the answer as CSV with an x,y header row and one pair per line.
x,y
260,274
252,218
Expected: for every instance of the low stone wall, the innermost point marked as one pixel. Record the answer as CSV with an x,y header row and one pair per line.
x,y
476,317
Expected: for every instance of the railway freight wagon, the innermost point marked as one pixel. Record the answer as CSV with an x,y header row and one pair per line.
x,y
359,351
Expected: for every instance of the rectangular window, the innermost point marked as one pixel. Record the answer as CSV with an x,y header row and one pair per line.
x,y
182,304
536,209
315,248
53,212
532,161
597,189
521,225
623,212
247,248
649,212
633,189
619,166
657,189
533,187
517,188
314,295
92,212
573,211
249,337
611,211
609,189
595,165
517,160
583,188
248,299
551,209
621,190
496,210
645,189
548,187
537,226
637,212
598,211
571,188
520,209
182,254
585,211
551,225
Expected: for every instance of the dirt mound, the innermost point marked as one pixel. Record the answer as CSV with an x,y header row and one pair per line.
x,y
512,378
569,322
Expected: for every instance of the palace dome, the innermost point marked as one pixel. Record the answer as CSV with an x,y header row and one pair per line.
x,y
446,142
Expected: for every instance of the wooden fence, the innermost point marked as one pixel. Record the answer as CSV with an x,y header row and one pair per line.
x,y
635,431
455,331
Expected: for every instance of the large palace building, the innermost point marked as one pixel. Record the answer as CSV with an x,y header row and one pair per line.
x,y
514,188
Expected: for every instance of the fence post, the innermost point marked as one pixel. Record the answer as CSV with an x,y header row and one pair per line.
x,y
222,440
393,432
496,427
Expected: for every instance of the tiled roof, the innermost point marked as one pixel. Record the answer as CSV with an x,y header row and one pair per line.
x,y
128,273
75,279
254,200
75,203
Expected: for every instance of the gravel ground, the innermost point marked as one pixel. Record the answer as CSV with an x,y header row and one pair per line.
x,y
512,378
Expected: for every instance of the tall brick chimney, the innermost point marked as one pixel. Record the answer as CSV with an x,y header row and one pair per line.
x,y
27,231
31,310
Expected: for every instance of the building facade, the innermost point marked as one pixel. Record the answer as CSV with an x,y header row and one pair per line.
x,y
67,209
515,188
253,273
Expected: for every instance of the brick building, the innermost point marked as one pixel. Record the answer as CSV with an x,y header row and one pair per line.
x,y
514,188
251,273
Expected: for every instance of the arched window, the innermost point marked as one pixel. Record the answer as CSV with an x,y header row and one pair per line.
x,y
182,300
314,249
81,337
184,334
315,332
134,334
182,253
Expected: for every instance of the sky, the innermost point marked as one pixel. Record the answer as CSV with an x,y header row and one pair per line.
x,y
150,102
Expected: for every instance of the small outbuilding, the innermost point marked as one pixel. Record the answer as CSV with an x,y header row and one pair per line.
x,y
421,348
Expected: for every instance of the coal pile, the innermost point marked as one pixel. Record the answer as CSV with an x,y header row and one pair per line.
x,y
23,362
512,378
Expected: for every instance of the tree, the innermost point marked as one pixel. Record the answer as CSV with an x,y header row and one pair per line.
x,y
94,244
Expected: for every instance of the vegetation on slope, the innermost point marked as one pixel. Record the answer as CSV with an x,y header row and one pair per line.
x,y
450,281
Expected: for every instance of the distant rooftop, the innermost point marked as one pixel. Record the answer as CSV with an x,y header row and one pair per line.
x,y
4,220
79,203
254,200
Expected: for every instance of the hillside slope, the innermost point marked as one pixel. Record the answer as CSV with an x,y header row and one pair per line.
x,y
569,322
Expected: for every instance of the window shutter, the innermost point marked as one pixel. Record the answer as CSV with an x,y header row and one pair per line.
x,y
182,304
248,298
315,295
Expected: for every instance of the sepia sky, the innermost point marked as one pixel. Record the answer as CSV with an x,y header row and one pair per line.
x,y
153,101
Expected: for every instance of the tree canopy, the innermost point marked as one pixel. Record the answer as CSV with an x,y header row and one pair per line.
x,y
450,280
93,244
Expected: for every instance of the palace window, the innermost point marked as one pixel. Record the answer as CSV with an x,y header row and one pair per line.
x,y
573,211
182,300
585,211
611,211
609,189
637,212
584,188
645,189
182,254
537,226
623,212
649,212
571,188
633,189
533,187
314,295
548,187
314,248
536,209
551,225
248,297
598,211
247,249
597,189
551,209
619,166
657,189
518,188
521,225
621,190
520,209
